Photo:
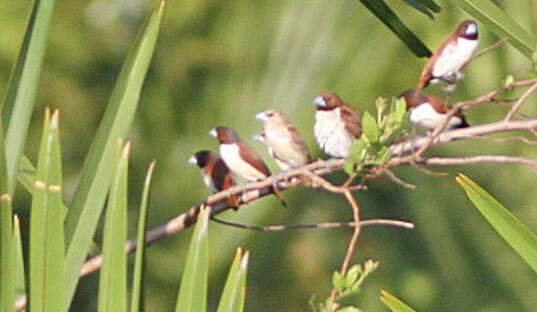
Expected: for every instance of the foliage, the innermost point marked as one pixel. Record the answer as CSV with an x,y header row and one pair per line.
x,y
372,148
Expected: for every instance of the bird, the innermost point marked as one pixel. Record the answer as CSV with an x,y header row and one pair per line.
x,y
215,174
453,54
240,158
337,124
284,143
429,112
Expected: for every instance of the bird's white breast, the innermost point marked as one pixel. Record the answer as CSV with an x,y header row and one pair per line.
x,y
426,117
331,134
454,56
208,181
230,155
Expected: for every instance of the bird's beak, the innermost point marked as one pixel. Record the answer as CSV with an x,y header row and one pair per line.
x,y
319,102
258,137
213,133
193,161
261,117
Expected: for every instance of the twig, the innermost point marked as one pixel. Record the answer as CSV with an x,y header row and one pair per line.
x,y
352,244
481,159
520,102
489,48
319,226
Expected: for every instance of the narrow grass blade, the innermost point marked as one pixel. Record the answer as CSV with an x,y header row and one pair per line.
x,y
381,10
425,7
496,20
113,276
22,89
7,277
20,286
47,246
394,304
137,301
193,291
27,177
98,169
523,241
234,292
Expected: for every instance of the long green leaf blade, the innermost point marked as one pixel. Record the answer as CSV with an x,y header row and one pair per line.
x,y
523,241
193,291
47,246
487,13
7,277
113,278
424,6
381,10
137,303
23,84
394,304
98,169
233,295
20,286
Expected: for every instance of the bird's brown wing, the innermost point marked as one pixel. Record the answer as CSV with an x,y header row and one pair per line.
x,y
352,119
299,143
426,74
249,155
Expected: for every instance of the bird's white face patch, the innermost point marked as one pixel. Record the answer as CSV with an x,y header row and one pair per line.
x,y
426,117
230,155
331,133
454,56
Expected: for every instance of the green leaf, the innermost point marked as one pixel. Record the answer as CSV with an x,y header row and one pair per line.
x,y
349,309
233,295
137,303
400,111
193,291
98,168
380,9
23,84
338,281
113,276
496,20
7,274
370,128
352,276
20,286
394,304
426,7
523,241
47,246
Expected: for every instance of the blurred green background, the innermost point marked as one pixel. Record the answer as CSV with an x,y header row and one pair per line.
x,y
219,63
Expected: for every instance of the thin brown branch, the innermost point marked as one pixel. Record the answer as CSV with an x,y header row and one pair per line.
x,y
318,226
480,159
352,244
489,48
520,102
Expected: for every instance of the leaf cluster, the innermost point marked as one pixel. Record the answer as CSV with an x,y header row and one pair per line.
x,y
372,148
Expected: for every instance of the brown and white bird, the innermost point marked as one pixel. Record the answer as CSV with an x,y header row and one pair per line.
x,y
453,54
215,174
337,124
240,158
283,141
430,112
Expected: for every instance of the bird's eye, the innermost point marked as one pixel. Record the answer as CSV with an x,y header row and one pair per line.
x,y
270,114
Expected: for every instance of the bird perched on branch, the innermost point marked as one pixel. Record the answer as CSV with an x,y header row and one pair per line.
x,y
240,158
453,54
282,139
337,124
215,174
430,112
